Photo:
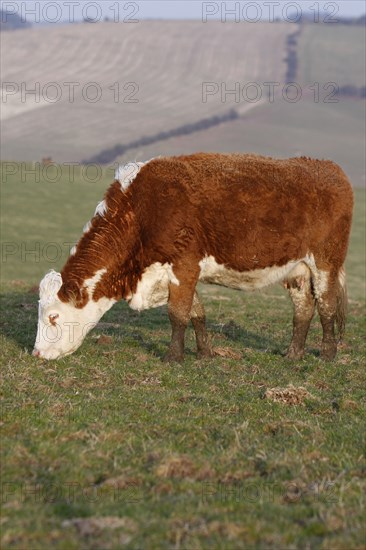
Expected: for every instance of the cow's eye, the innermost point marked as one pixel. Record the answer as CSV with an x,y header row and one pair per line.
x,y
52,318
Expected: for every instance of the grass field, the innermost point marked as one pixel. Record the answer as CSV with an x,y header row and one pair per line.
x,y
109,448
332,53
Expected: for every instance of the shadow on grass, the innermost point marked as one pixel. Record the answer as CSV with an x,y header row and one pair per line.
x,y
254,340
149,329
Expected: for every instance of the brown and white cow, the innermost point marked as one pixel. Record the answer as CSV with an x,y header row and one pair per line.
x,y
242,221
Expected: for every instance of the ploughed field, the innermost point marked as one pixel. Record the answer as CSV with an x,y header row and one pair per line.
x,y
100,85
111,448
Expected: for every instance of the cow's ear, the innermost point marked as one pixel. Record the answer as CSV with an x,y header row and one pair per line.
x,y
72,293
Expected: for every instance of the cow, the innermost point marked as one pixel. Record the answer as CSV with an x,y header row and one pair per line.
x,y
239,220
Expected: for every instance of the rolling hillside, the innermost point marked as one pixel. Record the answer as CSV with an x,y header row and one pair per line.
x,y
168,62
332,53
160,67
282,129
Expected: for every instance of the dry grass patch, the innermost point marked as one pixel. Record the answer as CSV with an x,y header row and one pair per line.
x,y
123,482
88,527
182,530
294,491
315,456
79,435
286,427
234,477
69,382
162,489
228,353
151,381
177,466
290,395
349,404
104,340
182,467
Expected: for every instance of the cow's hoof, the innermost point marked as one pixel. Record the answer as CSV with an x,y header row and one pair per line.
x,y
294,354
328,351
206,353
170,357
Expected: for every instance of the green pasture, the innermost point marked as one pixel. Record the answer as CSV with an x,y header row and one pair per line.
x,y
332,53
110,448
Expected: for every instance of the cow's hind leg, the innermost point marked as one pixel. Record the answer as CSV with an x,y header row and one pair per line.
x,y
299,286
179,309
325,289
198,319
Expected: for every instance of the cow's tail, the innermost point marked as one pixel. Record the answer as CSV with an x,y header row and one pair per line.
x,y
342,303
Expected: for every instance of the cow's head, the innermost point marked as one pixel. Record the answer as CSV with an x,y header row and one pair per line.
x,y
67,312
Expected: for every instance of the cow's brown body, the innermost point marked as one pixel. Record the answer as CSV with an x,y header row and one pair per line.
x,y
255,216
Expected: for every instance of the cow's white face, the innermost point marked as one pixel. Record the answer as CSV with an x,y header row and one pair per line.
x,y
61,326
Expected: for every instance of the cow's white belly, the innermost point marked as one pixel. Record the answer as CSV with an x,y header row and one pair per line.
x,y
212,272
153,288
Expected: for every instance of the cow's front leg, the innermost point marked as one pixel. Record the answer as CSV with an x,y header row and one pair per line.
x,y
198,319
179,310
299,287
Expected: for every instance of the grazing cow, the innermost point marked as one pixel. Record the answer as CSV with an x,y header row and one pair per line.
x,y
241,221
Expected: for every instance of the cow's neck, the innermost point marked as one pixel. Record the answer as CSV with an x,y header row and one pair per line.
x,y
109,255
